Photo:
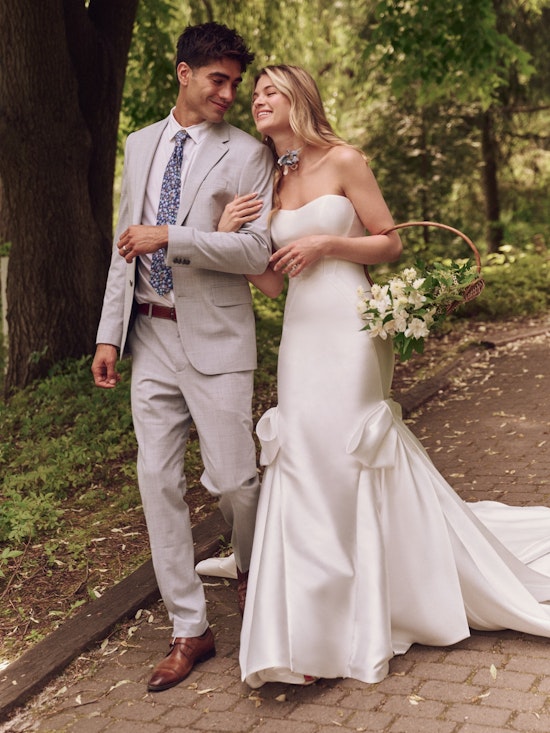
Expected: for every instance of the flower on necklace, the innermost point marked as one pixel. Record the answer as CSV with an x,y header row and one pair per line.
x,y
411,305
290,159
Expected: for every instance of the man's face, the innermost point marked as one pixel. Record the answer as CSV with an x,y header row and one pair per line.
x,y
207,92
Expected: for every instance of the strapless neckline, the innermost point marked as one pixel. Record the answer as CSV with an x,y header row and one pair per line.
x,y
327,214
315,200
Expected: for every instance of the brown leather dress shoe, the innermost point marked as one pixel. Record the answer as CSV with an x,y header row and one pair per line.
x,y
242,585
183,655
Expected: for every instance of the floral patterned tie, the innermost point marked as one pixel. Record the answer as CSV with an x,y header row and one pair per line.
x,y
161,274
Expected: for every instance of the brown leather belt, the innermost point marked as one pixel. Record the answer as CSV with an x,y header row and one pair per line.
x,y
157,311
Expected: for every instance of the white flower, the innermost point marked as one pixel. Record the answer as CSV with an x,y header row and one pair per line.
x,y
409,274
397,288
417,328
400,321
378,329
381,301
416,298
389,327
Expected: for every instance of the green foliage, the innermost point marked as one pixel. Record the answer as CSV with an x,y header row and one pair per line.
x,y
423,160
446,50
433,68
61,437
151,86
269,316
6,555
516,284
24,514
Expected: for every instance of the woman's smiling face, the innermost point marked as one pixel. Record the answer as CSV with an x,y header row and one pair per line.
x,y
270,108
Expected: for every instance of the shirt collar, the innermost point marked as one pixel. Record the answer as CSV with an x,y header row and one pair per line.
x,y
195,132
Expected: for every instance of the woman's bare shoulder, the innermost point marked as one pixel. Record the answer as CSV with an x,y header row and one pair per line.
x,y
346,155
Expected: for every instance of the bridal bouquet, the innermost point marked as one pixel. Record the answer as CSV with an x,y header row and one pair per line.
x,y
409,306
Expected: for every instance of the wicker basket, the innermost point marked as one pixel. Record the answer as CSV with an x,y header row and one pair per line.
x,y
475,287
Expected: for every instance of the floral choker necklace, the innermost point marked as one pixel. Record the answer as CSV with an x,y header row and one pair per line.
x,y
290,160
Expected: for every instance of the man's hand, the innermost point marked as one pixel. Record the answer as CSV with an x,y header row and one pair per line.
x,y
103,366
140,239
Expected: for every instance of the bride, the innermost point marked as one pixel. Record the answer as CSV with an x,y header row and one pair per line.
x,y
361,547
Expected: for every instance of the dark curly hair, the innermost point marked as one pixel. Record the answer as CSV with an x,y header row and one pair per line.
x,y
199,45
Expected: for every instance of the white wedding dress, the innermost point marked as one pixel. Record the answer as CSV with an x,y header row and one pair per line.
x,y
361,547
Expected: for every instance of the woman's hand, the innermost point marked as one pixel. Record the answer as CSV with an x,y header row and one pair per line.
x,y
240,211
295,257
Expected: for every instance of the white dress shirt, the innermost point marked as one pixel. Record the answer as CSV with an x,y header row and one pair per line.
x,y
144,291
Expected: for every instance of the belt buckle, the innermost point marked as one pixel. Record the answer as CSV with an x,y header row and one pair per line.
x,y
172,314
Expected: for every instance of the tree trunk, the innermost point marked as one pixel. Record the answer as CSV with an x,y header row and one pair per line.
x,y
61,79
489,151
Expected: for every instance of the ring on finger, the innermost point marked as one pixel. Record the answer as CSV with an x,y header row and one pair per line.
x,y
124,248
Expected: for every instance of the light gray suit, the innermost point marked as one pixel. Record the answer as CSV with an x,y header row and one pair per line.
x,y
199,368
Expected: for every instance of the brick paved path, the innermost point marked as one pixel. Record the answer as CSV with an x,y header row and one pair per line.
x,y
489,434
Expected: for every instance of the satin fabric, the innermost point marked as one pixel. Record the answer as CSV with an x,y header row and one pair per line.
x,y
361,547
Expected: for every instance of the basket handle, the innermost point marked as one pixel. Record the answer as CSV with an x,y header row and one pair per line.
x,y
441,226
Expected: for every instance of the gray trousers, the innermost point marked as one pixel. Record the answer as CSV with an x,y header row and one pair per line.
x,y
168,394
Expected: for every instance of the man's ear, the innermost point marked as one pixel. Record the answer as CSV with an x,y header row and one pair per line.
x,y
183,71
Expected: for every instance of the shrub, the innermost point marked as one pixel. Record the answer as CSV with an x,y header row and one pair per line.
x,y
515,285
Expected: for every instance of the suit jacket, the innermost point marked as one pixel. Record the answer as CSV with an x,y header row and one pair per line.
x,y
212,297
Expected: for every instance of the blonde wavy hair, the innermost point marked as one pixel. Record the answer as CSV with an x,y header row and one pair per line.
x,y
308,119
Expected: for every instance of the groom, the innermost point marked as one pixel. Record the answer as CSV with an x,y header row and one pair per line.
x,y
177,295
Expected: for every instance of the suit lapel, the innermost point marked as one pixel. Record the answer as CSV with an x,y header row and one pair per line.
x,y
148,145
212,149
